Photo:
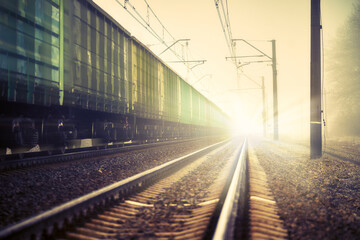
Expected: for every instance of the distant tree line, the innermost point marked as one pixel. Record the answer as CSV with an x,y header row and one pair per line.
x,y
342,80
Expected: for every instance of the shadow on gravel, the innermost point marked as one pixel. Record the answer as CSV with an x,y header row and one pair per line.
x,y
343,158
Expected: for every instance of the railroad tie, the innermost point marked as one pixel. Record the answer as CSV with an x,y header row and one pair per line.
x,y
265,222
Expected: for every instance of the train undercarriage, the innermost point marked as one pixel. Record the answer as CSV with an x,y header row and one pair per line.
x,y
28,128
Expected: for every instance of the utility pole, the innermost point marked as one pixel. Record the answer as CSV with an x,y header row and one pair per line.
x,y
275,96
315,83
264,107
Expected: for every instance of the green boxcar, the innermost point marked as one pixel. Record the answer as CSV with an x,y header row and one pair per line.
x,y
30,51
185,103
101,58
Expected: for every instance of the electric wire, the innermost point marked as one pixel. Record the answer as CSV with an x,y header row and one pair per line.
x,y
252,80
226,28
226,24
147,26
222,25
158,37
227,18
232,49
159,20
155,36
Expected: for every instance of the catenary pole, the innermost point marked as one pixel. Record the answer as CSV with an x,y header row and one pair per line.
x,y
275,95
264,107
315,82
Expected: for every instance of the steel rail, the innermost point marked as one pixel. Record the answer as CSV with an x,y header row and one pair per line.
x,y
56,218
235,197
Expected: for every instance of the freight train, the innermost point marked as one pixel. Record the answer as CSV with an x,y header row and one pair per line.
x,y
71,76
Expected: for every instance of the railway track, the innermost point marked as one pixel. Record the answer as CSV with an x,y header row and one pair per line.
x,y
39,158
189,197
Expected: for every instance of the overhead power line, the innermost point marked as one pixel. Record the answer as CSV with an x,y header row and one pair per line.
x,y
164,28
164,36
146,23
224,18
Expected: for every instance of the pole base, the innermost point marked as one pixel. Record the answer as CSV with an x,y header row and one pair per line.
x,y
315,140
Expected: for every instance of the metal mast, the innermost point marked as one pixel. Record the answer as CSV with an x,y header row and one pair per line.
x,y
264,106
315,82
275,92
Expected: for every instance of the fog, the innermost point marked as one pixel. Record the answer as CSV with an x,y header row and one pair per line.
x,y
342,79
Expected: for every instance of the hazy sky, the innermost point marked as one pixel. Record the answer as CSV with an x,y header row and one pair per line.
x,y
286,21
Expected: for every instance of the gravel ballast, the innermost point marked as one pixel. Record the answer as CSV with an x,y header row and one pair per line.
x,y
27,193
317,198
176,204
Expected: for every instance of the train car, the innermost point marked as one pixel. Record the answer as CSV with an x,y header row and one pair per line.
x,y
71,76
